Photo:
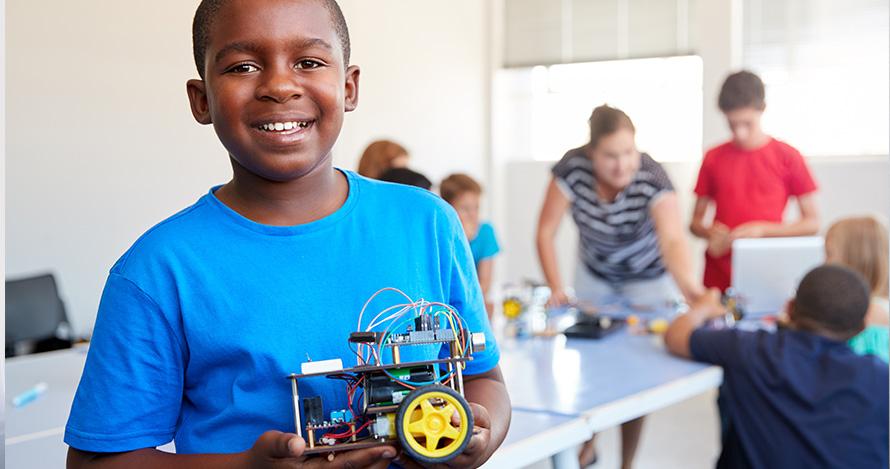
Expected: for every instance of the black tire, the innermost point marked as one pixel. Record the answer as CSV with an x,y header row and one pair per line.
x,y
401,432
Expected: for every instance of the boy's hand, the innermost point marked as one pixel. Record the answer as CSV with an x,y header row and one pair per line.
x,y
709,304
719,240
274,449
754,229
474,453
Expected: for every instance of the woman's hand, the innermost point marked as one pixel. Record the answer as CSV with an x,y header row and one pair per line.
x,y
472,456
558,297
274,449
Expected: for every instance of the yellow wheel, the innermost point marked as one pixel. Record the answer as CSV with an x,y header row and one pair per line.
x,y
512,308
434,424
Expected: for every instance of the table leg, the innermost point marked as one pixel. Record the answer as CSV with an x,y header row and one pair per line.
x,y
565,459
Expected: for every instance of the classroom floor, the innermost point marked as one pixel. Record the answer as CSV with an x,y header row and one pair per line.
x,y
686,436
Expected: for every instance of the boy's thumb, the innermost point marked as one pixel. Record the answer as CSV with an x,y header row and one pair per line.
x,y
278,445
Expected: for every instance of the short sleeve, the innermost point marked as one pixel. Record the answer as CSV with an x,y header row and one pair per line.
x,y
654,179
465,295
715,346
574,161
704,186
488,243
799,179
131,389
564,166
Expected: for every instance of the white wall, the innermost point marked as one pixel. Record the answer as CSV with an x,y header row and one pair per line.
x,y
101,144
424,73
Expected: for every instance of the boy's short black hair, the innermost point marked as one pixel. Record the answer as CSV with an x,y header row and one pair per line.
x,y
407,177
833,298
741,90
206,13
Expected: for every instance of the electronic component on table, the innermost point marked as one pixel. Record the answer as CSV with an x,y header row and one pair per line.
x,y
594,327
734,309
398,402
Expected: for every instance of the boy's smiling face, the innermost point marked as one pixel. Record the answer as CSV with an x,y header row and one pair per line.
x,y
275,86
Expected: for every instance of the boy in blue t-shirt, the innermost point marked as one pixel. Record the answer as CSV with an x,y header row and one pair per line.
x,y
206,314
798,397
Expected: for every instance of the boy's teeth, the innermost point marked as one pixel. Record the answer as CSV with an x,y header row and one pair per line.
x,y
281,126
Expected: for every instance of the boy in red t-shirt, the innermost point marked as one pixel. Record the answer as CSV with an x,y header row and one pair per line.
x,y
749,180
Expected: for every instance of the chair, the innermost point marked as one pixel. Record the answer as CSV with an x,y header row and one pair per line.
x,y
35,314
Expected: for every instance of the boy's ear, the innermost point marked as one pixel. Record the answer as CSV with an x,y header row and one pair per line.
x,y
197,91
792,310
351,97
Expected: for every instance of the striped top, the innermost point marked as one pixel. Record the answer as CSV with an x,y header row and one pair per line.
x,y
618,242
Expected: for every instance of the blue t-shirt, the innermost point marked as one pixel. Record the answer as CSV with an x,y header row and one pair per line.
x,y
207,313
795,399
485,244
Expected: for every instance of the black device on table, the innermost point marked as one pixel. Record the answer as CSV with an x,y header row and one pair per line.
x,y
594,327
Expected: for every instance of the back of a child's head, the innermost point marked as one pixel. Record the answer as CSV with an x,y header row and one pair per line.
x,y
458,184
407,177
378,157
606,120
742,90
831,299
861,243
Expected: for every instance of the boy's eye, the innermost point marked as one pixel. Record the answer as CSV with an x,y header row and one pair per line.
x,y
308,64
243,68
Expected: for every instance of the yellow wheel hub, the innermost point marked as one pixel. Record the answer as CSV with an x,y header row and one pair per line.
x,y
431,430
512,308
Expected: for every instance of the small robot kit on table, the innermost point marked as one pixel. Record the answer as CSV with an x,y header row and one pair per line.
x,y
419,405
525,309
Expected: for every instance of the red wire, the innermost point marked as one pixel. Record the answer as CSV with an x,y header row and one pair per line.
x,y
348,433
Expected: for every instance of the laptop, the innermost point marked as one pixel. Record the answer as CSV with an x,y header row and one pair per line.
x,y
766,271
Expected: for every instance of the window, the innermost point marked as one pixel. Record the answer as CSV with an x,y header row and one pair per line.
x,y
565,31
542,112
826,66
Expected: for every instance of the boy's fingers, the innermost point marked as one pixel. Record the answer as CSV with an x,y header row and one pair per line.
x,y
478,442
481,418
375,458
278,445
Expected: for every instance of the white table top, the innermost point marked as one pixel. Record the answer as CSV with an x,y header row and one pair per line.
x,y
61,371
610,381
536,435
34,432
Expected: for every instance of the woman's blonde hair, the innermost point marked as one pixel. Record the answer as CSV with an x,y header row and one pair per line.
x,y
378,157
860,243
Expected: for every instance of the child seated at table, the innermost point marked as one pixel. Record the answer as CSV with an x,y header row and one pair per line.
x,y
797,397
860,243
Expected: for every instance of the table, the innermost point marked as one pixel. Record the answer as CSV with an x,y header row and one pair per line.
x,y
534,435
34,432
594,385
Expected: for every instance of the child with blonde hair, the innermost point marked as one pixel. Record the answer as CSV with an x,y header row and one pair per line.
x,y
860,243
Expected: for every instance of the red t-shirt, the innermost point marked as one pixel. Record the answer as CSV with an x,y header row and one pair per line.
x,y
749,185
